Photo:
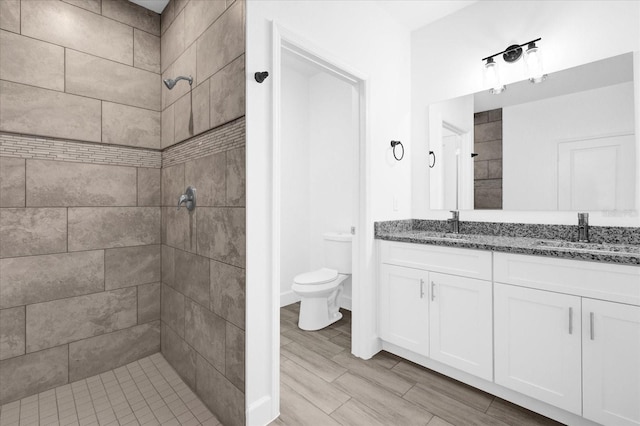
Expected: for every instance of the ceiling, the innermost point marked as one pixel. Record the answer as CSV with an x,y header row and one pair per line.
x,y
155,5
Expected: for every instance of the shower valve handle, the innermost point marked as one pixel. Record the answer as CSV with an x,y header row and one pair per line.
x,y
188,198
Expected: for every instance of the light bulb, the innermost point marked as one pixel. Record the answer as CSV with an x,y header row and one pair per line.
x,y
534,64
492,77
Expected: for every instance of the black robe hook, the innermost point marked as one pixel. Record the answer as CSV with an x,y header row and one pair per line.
x,y
261,76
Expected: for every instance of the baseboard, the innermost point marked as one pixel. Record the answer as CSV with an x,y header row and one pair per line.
x,y
260,412
288,298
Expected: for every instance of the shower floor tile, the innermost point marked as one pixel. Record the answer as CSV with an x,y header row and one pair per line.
x,y
145,392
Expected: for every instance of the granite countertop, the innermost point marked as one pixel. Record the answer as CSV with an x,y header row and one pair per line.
x,y
625,253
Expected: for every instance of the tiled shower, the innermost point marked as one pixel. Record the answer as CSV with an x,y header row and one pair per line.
x,y
97,267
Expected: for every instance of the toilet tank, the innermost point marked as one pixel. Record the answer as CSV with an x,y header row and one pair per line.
x,y
337,251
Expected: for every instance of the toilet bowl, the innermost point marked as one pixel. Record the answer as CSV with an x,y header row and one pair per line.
x,y
320,290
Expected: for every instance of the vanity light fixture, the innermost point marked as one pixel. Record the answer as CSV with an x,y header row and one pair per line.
x,y
510,55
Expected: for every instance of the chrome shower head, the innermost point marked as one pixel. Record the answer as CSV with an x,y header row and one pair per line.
x,y
170,82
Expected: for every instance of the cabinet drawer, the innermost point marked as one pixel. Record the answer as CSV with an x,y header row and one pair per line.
x,y
448,260
617,283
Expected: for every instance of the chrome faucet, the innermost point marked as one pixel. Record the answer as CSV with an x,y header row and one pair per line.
x,y
583,227
455,221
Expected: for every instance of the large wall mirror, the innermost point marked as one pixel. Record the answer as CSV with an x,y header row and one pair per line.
x,y
567,143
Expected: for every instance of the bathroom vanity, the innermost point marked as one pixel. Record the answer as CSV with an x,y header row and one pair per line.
x,y
547,324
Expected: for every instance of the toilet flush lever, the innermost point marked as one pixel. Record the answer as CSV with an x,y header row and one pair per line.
x,y
188,198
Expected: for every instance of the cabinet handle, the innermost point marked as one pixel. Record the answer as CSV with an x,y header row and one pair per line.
x,y
591,320
570,320
421,288
433,291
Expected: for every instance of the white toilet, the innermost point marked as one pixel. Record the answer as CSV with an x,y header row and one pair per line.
x,y
320,290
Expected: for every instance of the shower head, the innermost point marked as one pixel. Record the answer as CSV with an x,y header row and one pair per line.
x,y
170,82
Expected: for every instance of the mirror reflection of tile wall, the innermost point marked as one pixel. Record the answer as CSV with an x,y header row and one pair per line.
x,y
487,166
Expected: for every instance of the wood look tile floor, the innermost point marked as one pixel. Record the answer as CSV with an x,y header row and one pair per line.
x,y
321,383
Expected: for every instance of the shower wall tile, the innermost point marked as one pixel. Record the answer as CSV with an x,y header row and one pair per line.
x,y
32,373
228,292
34,279
133,15
168,271
179,354
491,150
173,184
221,234
62,321
69,26
198,16
168,126
172,42
10,15
32,110
12,332
201,108
185,65
148,302
149,193
235,177
488,131
27,232
167,17
184,119
91,5
129,266
29,61
99,78
127,125
102,353
205,332
207,175
192,276
180,228
110,227
172,309
146,51
62,184
12,182
217,392
180,4
221,43
227,97
234,356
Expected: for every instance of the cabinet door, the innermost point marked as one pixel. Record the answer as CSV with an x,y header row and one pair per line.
x,y
611,362
404,309
461,323
538,345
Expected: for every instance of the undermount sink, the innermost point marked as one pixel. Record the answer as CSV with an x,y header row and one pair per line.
x,y
589,247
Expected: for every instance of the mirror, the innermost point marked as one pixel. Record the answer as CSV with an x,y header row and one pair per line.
x,y
568,143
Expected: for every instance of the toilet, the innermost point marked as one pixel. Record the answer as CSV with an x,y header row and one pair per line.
x,y
320,290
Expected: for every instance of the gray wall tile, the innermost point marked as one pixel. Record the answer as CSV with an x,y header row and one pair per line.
x,y
91,5
33,279
181,356
168,271
205,332
488,150
172,42
180,228
228,292
184,117
227,93
99,78
25,232
234,356
235,177
129,266
10,15
63,24
168,126
35,111
201,108
198,16
185,65
149,193
207,175
146,51
221,234
167,17
12,178
148,302
180,4
132,14
488,131
222,42
12,332
29,61
127,125
33,373
219,394
172,309
63,184
98,354
109,227
173,185
62,321
192,276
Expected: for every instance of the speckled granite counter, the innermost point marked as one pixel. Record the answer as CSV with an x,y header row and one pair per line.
x,y
611,245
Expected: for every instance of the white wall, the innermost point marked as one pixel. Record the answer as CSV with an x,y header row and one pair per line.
x,y
361,37
446,63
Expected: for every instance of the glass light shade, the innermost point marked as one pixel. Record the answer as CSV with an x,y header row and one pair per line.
x,y
534,64
492,77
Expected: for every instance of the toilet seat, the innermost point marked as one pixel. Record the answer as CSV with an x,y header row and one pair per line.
x,y
317,277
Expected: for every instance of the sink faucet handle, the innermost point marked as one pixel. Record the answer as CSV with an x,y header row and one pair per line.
x,y
583,218
455,214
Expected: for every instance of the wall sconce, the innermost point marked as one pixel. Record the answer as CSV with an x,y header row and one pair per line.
x,y
510,55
